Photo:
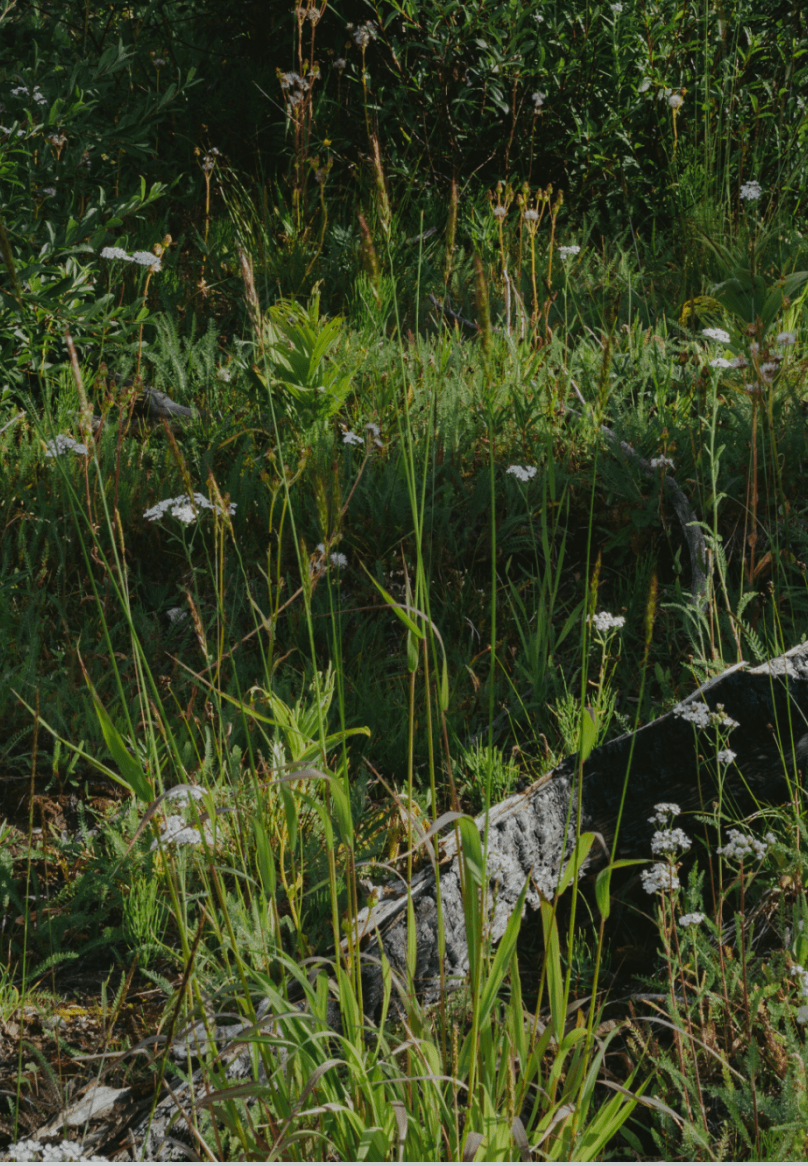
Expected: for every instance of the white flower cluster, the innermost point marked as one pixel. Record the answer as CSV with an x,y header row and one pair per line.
x,y
531,216
48,191
499,212
721,362
572,249
336,558
538,101
716,334
768,370
657,462
144,258
664,810
786,338
616,9
61,443
174,832
675,101
30,1150
603,622
751,191
726,757
659,877
34,94
799,973
699,714
522,473
340,64
692,920
182,508
670,841
740,846
351,438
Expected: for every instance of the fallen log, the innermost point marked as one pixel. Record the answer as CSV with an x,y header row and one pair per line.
x,y
529,837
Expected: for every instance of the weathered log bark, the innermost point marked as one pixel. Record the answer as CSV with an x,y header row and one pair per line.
x,y
530,834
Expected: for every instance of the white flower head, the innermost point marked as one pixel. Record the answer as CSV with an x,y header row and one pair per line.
x,y
603,622
692,920
499,212
768,370
670,841
726,757
721,362
61,443
716,334
49,191
675,101
538,101
616,9
741,846
751,191
182,508
223,374
522,473
351,438
114,253
786,338
659,877
373,428
340,64
664,811
147,259
570,249
531,216
159,62
657,463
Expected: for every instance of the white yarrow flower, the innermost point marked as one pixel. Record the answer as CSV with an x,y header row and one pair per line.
x,y
146,259
741,846
726,757
659,877
61,443
665,810
603,622
669,841
716,334
571,249
721,362
522,473
351,438
182,508
751,191
538,101
692,920
114,253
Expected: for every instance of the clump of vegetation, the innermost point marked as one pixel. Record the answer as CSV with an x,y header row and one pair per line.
x,y
456,311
